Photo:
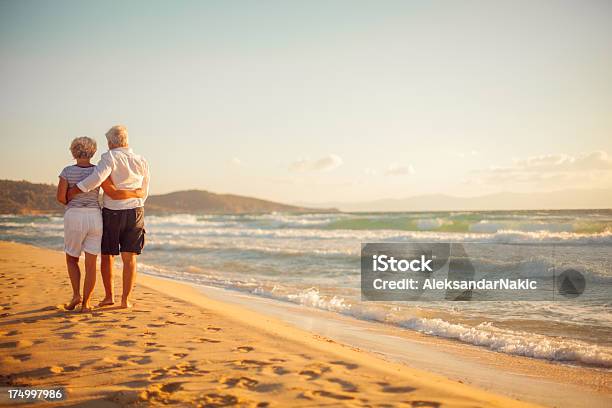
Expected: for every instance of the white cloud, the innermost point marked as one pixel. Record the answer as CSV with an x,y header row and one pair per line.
x,y
550,169
327,163
597,160
467,154
399,170
236,161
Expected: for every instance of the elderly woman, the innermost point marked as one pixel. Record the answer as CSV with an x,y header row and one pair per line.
x,y
83,220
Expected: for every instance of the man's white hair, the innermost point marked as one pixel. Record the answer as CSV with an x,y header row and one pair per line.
x,y
117,136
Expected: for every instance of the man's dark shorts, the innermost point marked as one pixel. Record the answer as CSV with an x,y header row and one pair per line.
x,y
123,231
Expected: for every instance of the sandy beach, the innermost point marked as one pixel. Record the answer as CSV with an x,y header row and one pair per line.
x,y
172,351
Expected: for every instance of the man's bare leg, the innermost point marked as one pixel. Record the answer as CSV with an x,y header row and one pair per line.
x,y
129,276
106,269
90,280
74,272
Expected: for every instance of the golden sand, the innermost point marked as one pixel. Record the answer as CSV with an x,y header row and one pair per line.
x,y
191,351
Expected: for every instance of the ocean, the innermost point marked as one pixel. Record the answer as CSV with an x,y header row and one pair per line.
x,y
314,260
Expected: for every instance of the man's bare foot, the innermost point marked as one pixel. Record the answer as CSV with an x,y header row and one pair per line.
x,y
73,303
126,304
106,302
86,308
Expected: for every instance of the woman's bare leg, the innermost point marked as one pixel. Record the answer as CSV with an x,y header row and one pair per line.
x,y
74,272
90,280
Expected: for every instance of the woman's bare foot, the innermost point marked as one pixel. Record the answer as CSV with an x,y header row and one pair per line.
x,y
106,302
126,304
86,308
73,303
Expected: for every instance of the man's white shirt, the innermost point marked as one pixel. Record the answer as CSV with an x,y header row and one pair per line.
x,y
127,170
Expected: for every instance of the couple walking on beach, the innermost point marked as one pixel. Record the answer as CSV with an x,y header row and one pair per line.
x,y
117,228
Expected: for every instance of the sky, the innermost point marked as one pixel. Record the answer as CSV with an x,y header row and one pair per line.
x,y
315,101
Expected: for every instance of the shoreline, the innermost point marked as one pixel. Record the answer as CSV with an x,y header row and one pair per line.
x,y
162,298
539,381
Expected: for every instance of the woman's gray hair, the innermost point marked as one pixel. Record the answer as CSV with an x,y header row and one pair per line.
x,y
83,148
117,136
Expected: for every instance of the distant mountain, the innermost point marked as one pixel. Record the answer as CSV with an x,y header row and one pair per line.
x,y
23,197
201,201
554,200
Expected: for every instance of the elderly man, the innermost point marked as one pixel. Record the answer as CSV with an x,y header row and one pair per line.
x,y
123,219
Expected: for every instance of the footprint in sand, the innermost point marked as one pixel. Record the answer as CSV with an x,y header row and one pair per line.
x,y
107,364
136,384
175,323
70,368
279,370
161,392
346,385
204,340
135,359
250,365
64,327
94,348
349,366
22,357
393,389
424,404
15,344
69,335
178,370
213,329
245,349
327,394
218,400
254,363
239,382
178,356
314,371
125,343
41,372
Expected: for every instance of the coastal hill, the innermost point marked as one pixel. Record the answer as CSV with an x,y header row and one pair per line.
x,y
23,197
196,201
